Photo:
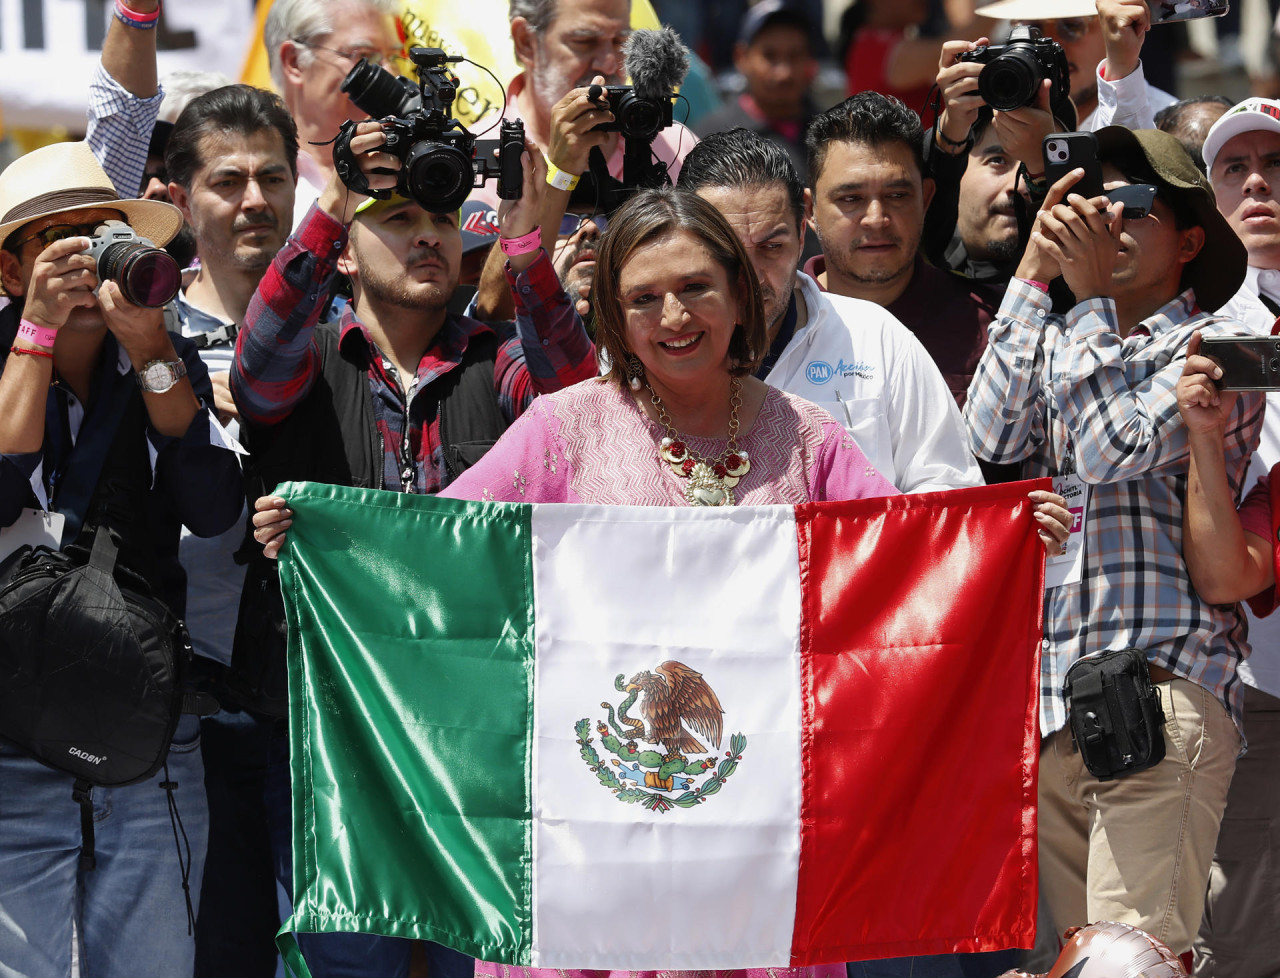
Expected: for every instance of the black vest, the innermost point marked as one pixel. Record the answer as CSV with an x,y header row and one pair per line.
x,y
332,437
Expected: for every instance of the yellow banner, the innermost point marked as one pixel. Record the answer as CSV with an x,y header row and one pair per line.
x,y
477,29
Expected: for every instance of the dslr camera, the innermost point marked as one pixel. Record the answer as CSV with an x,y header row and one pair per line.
x,y
636,117
441,161
1012,72
148,276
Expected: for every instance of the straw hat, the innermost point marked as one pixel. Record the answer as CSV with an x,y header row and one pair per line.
x,y
67,177
1038,9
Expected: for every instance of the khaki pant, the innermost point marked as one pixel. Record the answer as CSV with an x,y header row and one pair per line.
x,y
1240,933
1137,849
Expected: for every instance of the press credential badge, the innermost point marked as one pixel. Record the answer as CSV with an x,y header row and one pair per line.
x,y
1062,569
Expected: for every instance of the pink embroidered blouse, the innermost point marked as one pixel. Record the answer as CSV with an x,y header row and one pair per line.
x,y
590,443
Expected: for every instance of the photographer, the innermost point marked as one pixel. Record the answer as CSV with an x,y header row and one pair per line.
x,y
87,372
1089,399
969,134
565,47
1103,45
362,401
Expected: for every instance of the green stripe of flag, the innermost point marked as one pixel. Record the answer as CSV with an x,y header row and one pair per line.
x,y
378,777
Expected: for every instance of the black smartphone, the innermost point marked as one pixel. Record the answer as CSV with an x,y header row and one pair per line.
x,y
1064,152
1249,363
1136,198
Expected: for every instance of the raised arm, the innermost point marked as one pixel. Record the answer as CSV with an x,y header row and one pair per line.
x,y
1226,562
124,99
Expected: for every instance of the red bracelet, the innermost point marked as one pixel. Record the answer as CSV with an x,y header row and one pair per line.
x,y
30,352
39,335
1042,286
521,245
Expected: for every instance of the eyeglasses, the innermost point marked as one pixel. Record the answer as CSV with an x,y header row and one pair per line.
x,y
352,55
58,232
570,223
1069,29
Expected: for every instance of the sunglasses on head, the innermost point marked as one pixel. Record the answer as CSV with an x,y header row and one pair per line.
x,y
58,232
1137,198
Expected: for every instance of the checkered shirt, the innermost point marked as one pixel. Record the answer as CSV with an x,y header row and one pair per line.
x,y
119,132
1064,394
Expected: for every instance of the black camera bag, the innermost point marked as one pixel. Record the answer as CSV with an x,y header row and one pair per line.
x,y
91,664
1116,719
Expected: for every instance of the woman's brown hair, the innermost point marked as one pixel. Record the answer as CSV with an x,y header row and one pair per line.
x,y
654,214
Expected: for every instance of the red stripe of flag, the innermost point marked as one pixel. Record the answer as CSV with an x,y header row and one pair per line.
x,y
920,636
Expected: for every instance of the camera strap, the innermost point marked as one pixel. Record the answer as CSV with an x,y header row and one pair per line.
x,y
76,471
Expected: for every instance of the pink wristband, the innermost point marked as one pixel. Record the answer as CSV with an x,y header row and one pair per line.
x,y
39,335
133,15
523,244
1042,286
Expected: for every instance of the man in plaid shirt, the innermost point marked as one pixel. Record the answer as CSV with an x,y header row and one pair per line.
x,y
1089,397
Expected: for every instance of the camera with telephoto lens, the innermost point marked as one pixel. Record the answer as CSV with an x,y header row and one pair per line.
x,y
441,162
1012,72
148,276
636,117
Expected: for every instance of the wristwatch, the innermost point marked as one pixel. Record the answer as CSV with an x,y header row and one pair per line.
x,y
159,376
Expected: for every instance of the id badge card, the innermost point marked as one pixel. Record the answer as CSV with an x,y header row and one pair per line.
x,y
34,527
1062,569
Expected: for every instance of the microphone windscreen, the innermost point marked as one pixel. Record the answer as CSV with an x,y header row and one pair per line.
x,y
657,62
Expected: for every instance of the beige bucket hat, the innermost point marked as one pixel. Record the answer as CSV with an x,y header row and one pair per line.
x,y
67,177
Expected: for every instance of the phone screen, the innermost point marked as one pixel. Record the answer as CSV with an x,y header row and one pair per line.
x,y
1166,12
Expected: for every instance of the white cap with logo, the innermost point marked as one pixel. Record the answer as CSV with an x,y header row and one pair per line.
x,y
1249,115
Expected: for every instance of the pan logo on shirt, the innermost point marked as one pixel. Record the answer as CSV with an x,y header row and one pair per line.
x,y
671,696
821,372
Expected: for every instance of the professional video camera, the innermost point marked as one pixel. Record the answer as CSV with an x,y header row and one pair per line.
x,y
1012,72
441,161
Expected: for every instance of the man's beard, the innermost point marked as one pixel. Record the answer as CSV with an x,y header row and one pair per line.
x,y
1002,250
785,303
871,278
399,292
549,85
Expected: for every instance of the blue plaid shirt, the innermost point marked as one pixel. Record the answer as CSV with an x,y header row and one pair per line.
x,y
119,130
1063,394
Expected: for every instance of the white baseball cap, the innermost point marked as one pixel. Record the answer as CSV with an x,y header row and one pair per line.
x,y
1251,114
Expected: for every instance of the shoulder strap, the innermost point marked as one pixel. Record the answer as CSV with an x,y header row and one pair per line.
x,y
84,463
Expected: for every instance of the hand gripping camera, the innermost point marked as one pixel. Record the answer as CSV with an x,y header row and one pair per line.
x,y
441,161
1012,72
148,276
637,117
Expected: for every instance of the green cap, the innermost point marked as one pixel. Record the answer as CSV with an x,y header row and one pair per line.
x,y
1218,271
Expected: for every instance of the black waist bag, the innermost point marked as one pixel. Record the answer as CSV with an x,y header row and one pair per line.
x,y
91,665
1116,719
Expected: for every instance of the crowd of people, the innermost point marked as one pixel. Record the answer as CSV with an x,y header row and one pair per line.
x,y
818,305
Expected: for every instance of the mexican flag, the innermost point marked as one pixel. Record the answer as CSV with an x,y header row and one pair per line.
x,y
645,738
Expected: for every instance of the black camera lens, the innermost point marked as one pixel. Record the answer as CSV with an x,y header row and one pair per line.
x,y
376,91
638,118
438,177
1011,80
147,276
